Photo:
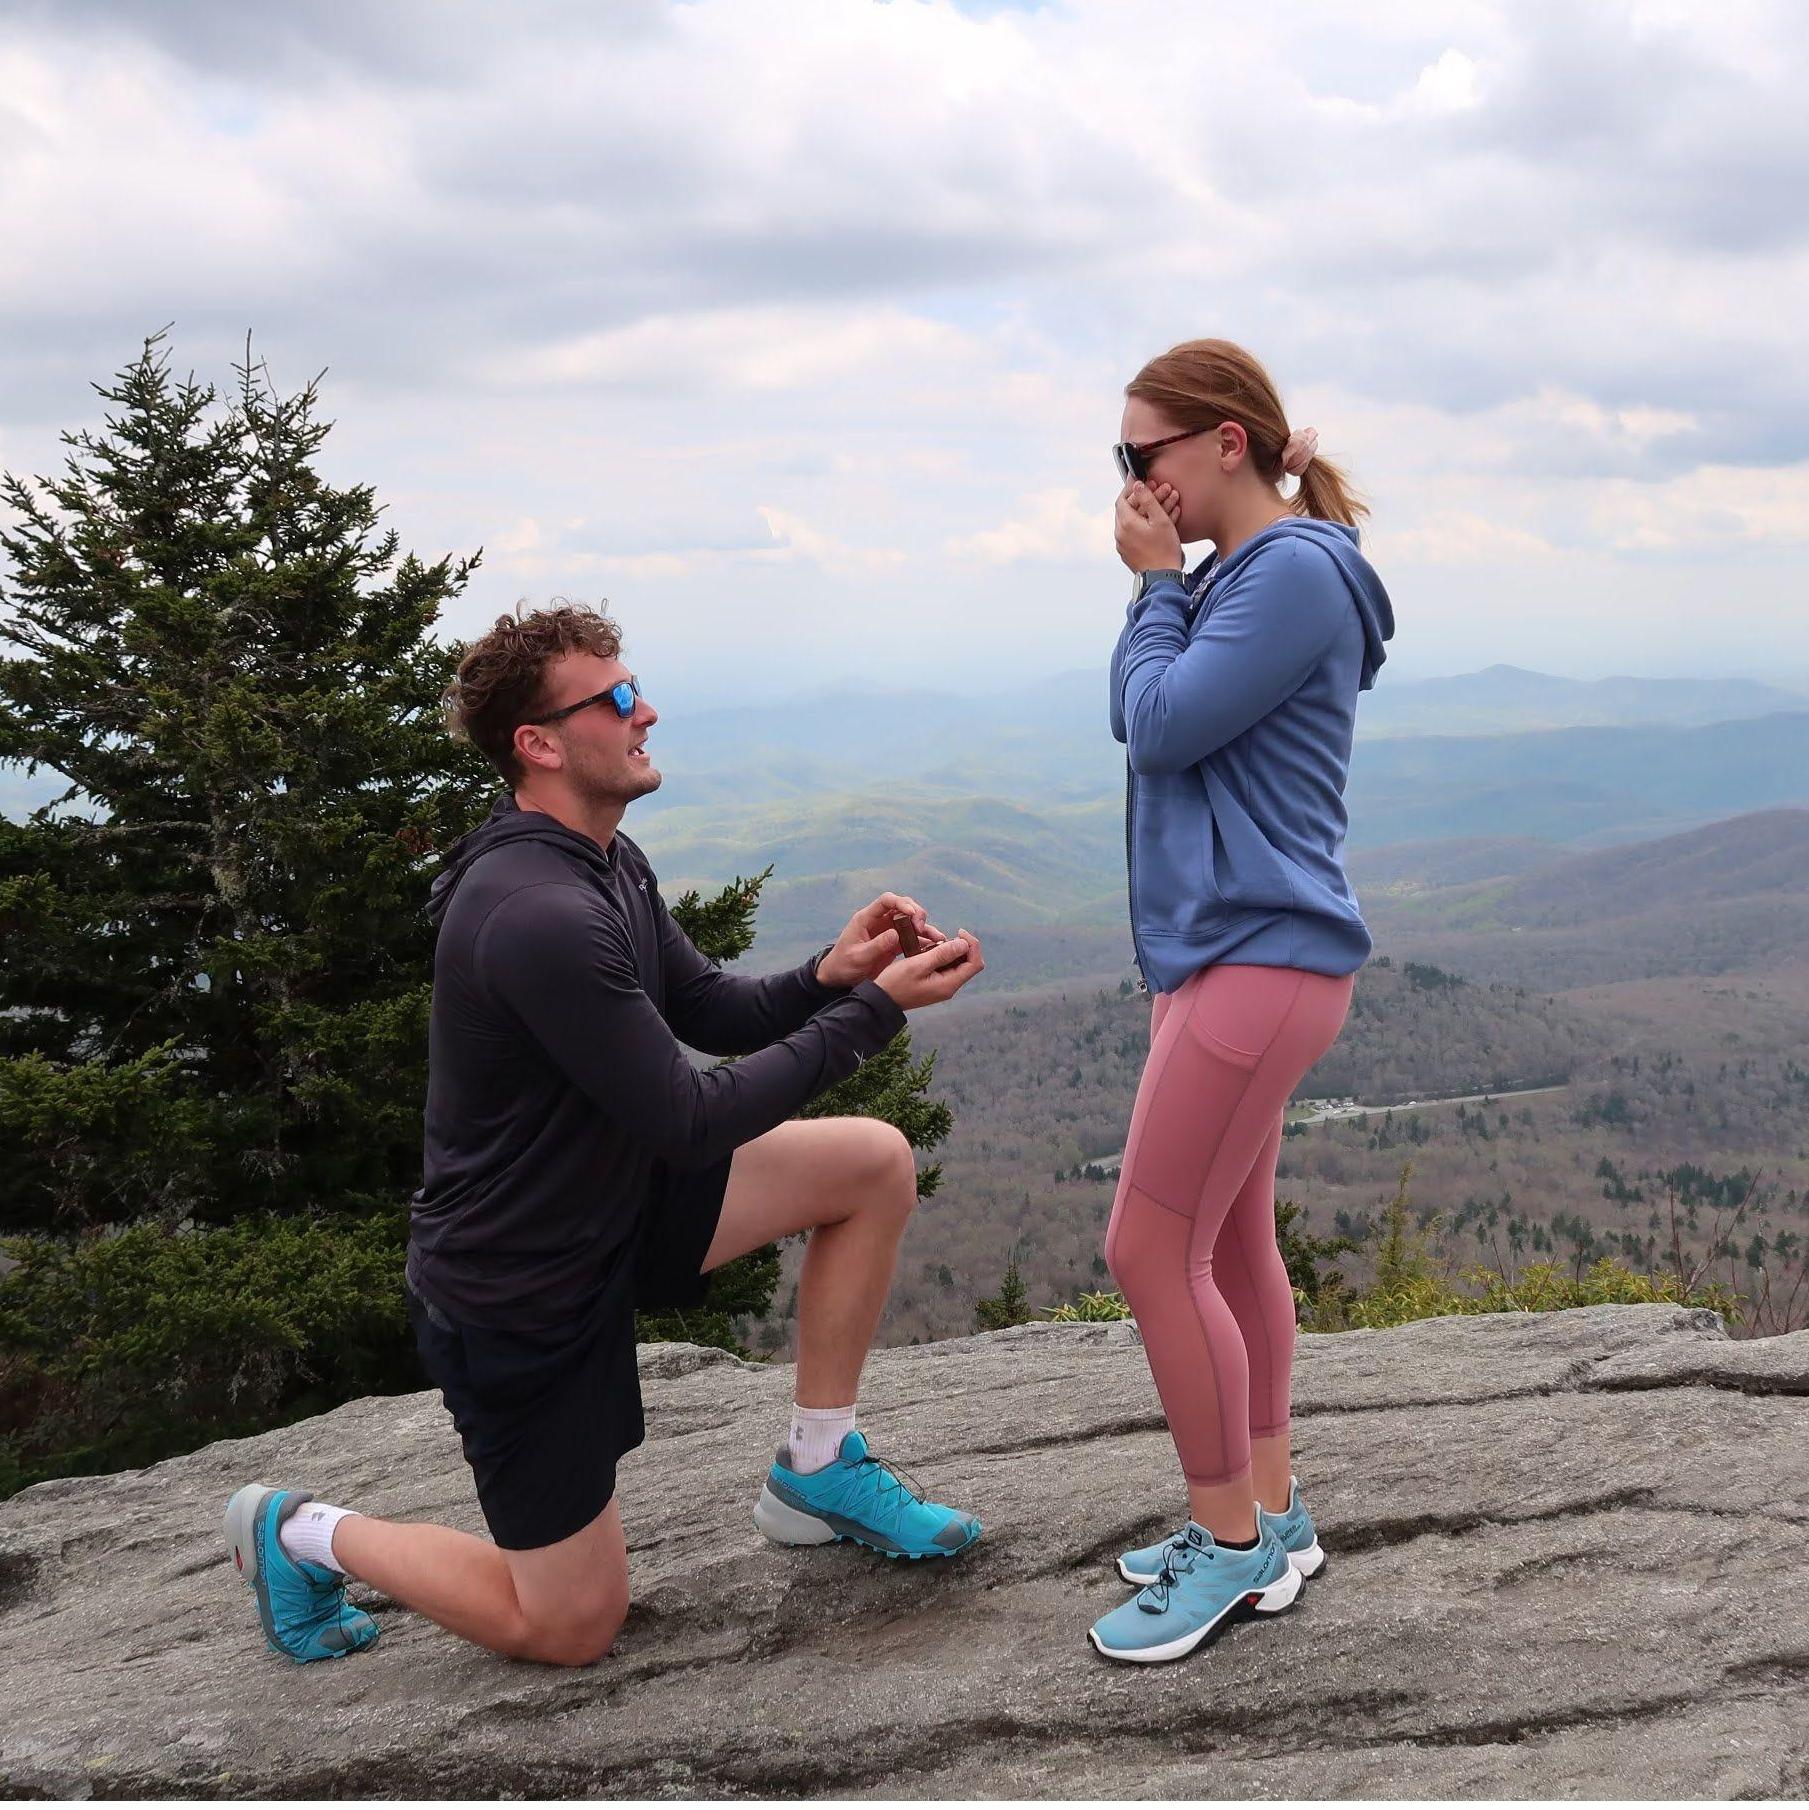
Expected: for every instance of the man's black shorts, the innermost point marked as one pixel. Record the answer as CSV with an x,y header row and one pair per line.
x,y
545,1415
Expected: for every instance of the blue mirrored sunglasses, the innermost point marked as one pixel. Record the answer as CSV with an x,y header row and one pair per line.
x,y
623,695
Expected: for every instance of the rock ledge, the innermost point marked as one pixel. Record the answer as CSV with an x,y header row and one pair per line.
x,y
1567,1559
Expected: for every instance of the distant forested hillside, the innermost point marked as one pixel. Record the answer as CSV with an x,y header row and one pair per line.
x,y
1616,976
1583,786
1409,868
1691,1091
1500,808
1048,739
1725,897
1501,699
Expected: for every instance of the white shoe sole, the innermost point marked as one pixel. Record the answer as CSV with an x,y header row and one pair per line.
x,y
1278,1596
788,1526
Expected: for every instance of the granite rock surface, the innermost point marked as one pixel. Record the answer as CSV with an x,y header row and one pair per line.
x,y
1568,1557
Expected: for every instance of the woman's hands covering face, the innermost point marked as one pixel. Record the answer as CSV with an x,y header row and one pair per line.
x,y
1144,524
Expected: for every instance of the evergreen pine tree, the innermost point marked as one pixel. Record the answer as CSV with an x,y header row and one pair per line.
x,y
217,971
1010,1306
1302,1254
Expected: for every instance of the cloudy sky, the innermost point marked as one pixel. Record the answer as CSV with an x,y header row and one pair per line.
x,y
798,330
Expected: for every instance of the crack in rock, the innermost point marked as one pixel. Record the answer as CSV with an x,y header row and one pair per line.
x,y
1514,1731
1371,1536
1528,1569
1114,1429
1775,1668
1570,1380
1728,1383
1144,1531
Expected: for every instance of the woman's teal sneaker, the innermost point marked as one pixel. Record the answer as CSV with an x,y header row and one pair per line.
x,y
302,1606
858,1497
1200,1588
1293,1527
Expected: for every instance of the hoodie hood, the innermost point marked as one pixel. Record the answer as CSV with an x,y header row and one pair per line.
x,y
1373,608
507,822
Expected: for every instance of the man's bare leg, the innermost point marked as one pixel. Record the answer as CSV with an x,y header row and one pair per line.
x,y
851,1183
561,1603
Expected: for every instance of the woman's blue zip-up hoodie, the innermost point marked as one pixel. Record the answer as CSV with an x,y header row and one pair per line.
x,y
1235,694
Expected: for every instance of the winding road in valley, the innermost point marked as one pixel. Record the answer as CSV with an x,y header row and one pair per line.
x,y
1313,1112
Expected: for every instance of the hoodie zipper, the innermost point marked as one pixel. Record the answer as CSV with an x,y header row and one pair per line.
x,y
1130,863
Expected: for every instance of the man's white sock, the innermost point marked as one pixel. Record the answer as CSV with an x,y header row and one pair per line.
x,y
816,1436
308,1533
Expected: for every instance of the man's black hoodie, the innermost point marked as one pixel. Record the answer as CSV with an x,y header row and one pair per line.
x,y
555,1074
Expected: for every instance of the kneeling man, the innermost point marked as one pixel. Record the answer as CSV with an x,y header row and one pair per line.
x,y
578,1166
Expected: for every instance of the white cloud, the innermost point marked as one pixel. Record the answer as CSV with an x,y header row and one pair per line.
x,y
524,538
777,348
1052,525
1447,86
1633,428
1715,505
1460,538
796,538
775,298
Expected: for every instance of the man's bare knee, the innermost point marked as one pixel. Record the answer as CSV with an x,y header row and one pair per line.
x,y
890,1186
892,1174
585,1646
576,1639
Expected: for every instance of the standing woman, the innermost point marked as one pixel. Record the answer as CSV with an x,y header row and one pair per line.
x,y
1234,689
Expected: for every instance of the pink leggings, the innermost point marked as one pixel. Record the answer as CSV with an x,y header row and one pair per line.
x,y
1192,1237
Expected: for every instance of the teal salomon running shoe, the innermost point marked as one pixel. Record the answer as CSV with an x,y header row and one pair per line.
x,y
302,1606
1294,1527
1202,1586
858,1497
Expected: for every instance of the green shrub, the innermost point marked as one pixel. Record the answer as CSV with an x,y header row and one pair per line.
x,y
1539,1288
1096,1306
118,1349
1409,1286
1542,1286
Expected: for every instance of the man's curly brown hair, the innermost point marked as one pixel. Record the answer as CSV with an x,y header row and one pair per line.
x,y
501,680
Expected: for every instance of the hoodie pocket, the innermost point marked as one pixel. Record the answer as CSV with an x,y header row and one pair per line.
x,y
1246,870
1175,889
